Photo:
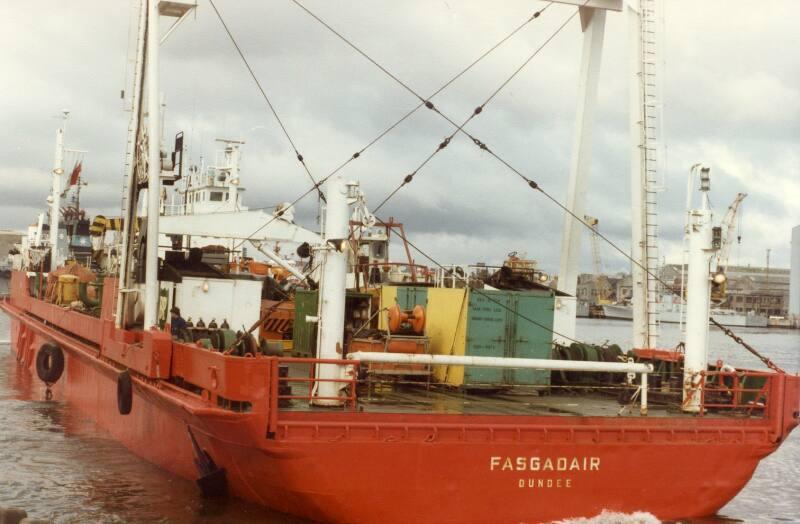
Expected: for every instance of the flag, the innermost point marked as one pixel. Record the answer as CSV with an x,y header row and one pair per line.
x,y
76,172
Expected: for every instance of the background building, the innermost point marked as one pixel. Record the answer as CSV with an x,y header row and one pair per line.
x,y
794,292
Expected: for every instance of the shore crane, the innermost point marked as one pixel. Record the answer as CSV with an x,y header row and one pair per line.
x,y
601,283
728,226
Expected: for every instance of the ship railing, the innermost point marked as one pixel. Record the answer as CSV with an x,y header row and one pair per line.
x,y
746,391
409,359
174,209
298,384
391,273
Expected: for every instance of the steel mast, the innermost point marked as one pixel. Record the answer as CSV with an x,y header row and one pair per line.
x,y
153,169
593,19
143,158
644,114
55,197
698,295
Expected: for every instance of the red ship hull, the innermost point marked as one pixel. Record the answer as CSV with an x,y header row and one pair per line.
x,y
382,467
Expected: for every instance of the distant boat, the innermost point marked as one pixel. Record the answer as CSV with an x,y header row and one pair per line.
x,y
671,314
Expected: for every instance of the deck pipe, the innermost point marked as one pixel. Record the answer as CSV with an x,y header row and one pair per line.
x,y
516,363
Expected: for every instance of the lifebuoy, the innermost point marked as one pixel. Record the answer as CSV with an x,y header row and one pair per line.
x,y
49,363
124,392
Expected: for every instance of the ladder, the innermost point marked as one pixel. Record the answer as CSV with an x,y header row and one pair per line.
x,y
651,134
130,144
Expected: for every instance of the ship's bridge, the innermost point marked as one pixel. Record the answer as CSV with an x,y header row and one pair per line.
x,y
213,188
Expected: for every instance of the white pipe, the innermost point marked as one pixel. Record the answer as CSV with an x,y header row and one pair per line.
x,y
153,169
55,205
698,303
233,176
685,253
332,293
281,262
502,362
643,396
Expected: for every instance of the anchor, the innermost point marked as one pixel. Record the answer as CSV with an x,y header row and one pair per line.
x,y
212,480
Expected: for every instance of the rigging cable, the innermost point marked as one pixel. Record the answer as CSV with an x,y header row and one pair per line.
x,y
399,233
267,100
408,178
386,131
459,128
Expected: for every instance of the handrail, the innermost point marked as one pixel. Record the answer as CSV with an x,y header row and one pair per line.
x,y
278,398
736,392
415,270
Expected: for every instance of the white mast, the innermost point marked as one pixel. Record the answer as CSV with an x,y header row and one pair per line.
x,y
332,291
55,197
330,337
130,199
146,68
644,108
153,169
593,25
698,291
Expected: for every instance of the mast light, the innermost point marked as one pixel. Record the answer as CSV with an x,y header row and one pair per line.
x,y
339,244
705,179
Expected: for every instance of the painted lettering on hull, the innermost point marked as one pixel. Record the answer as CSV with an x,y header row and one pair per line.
x,y
499,463
555,472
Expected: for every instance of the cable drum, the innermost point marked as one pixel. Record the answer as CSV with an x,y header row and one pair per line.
x,y
49,363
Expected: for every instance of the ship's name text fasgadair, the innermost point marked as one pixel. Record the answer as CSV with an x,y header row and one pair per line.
x,y
499,463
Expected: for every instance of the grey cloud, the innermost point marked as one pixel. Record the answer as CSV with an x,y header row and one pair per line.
x,y
727,86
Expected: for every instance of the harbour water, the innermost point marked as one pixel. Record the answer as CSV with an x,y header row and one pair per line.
x,y
57,464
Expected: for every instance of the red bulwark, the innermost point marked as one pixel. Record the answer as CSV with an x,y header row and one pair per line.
x,y
352,466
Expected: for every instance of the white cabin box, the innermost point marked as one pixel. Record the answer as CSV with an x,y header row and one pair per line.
x,y
236,300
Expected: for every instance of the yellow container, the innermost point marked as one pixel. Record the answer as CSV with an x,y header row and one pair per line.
x,y
67,290
445,325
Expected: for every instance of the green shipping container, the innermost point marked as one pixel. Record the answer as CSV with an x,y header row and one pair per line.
x,y
408,297
498,323
514,324
304,334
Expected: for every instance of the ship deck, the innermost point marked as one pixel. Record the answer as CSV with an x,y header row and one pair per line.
x,y
424,397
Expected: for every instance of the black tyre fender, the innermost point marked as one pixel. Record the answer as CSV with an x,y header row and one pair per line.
x,y
49,363
124,392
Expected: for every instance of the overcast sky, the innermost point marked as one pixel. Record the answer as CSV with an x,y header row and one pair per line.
x,y
732,100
